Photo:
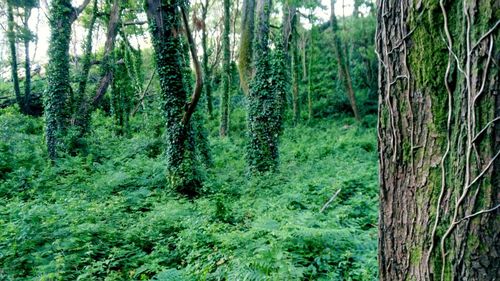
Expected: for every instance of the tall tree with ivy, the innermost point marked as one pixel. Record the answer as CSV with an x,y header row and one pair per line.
x,y
226,72
439,140
165,28
62,14
263,100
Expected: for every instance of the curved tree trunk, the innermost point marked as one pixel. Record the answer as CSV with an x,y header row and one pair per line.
x,y
439,140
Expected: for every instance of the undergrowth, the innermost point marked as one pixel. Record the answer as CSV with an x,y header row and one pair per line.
x,y
108,216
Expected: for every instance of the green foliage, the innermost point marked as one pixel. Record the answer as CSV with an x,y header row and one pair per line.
x,y
105,216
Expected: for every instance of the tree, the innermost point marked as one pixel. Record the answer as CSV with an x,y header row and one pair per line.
x,y
164,22
439,137
80,116
246,44
11,35
226,72
343,64
62,15
204,45
264,102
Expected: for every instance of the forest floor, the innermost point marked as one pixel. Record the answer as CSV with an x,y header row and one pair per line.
x,y
108,216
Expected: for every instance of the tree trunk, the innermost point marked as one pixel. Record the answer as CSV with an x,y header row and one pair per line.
x,y
263,101
80,117
207,75
246,44
27,62
11,35
56,110
58,87
295,71
343,64
439,140
226,73
109,45
164,22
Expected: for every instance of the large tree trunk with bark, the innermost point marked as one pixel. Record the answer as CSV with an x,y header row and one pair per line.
x,y
439,140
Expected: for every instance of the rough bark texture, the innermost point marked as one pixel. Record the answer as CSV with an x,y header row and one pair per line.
x,y
226,73
439,140
246,44
343,62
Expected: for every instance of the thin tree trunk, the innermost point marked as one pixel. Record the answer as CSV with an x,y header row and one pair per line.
x,y
226,73
343,65
206,70
438,140
27,63
11,35
309,80
246,44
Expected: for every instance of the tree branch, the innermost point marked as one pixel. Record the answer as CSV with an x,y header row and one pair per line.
x,y
199,82
78,10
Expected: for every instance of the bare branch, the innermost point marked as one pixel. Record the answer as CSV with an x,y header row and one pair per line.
x,y
330,201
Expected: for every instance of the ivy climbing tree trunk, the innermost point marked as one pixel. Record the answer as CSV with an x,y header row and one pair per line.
x,y
164,22
246,44
439,140
263,100
226,72
343,63
11,35
62,15
80,116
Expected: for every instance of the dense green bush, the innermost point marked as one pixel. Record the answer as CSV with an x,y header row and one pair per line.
x,y
106,214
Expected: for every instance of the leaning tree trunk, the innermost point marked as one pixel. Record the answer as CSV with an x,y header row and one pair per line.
x,y
439,140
